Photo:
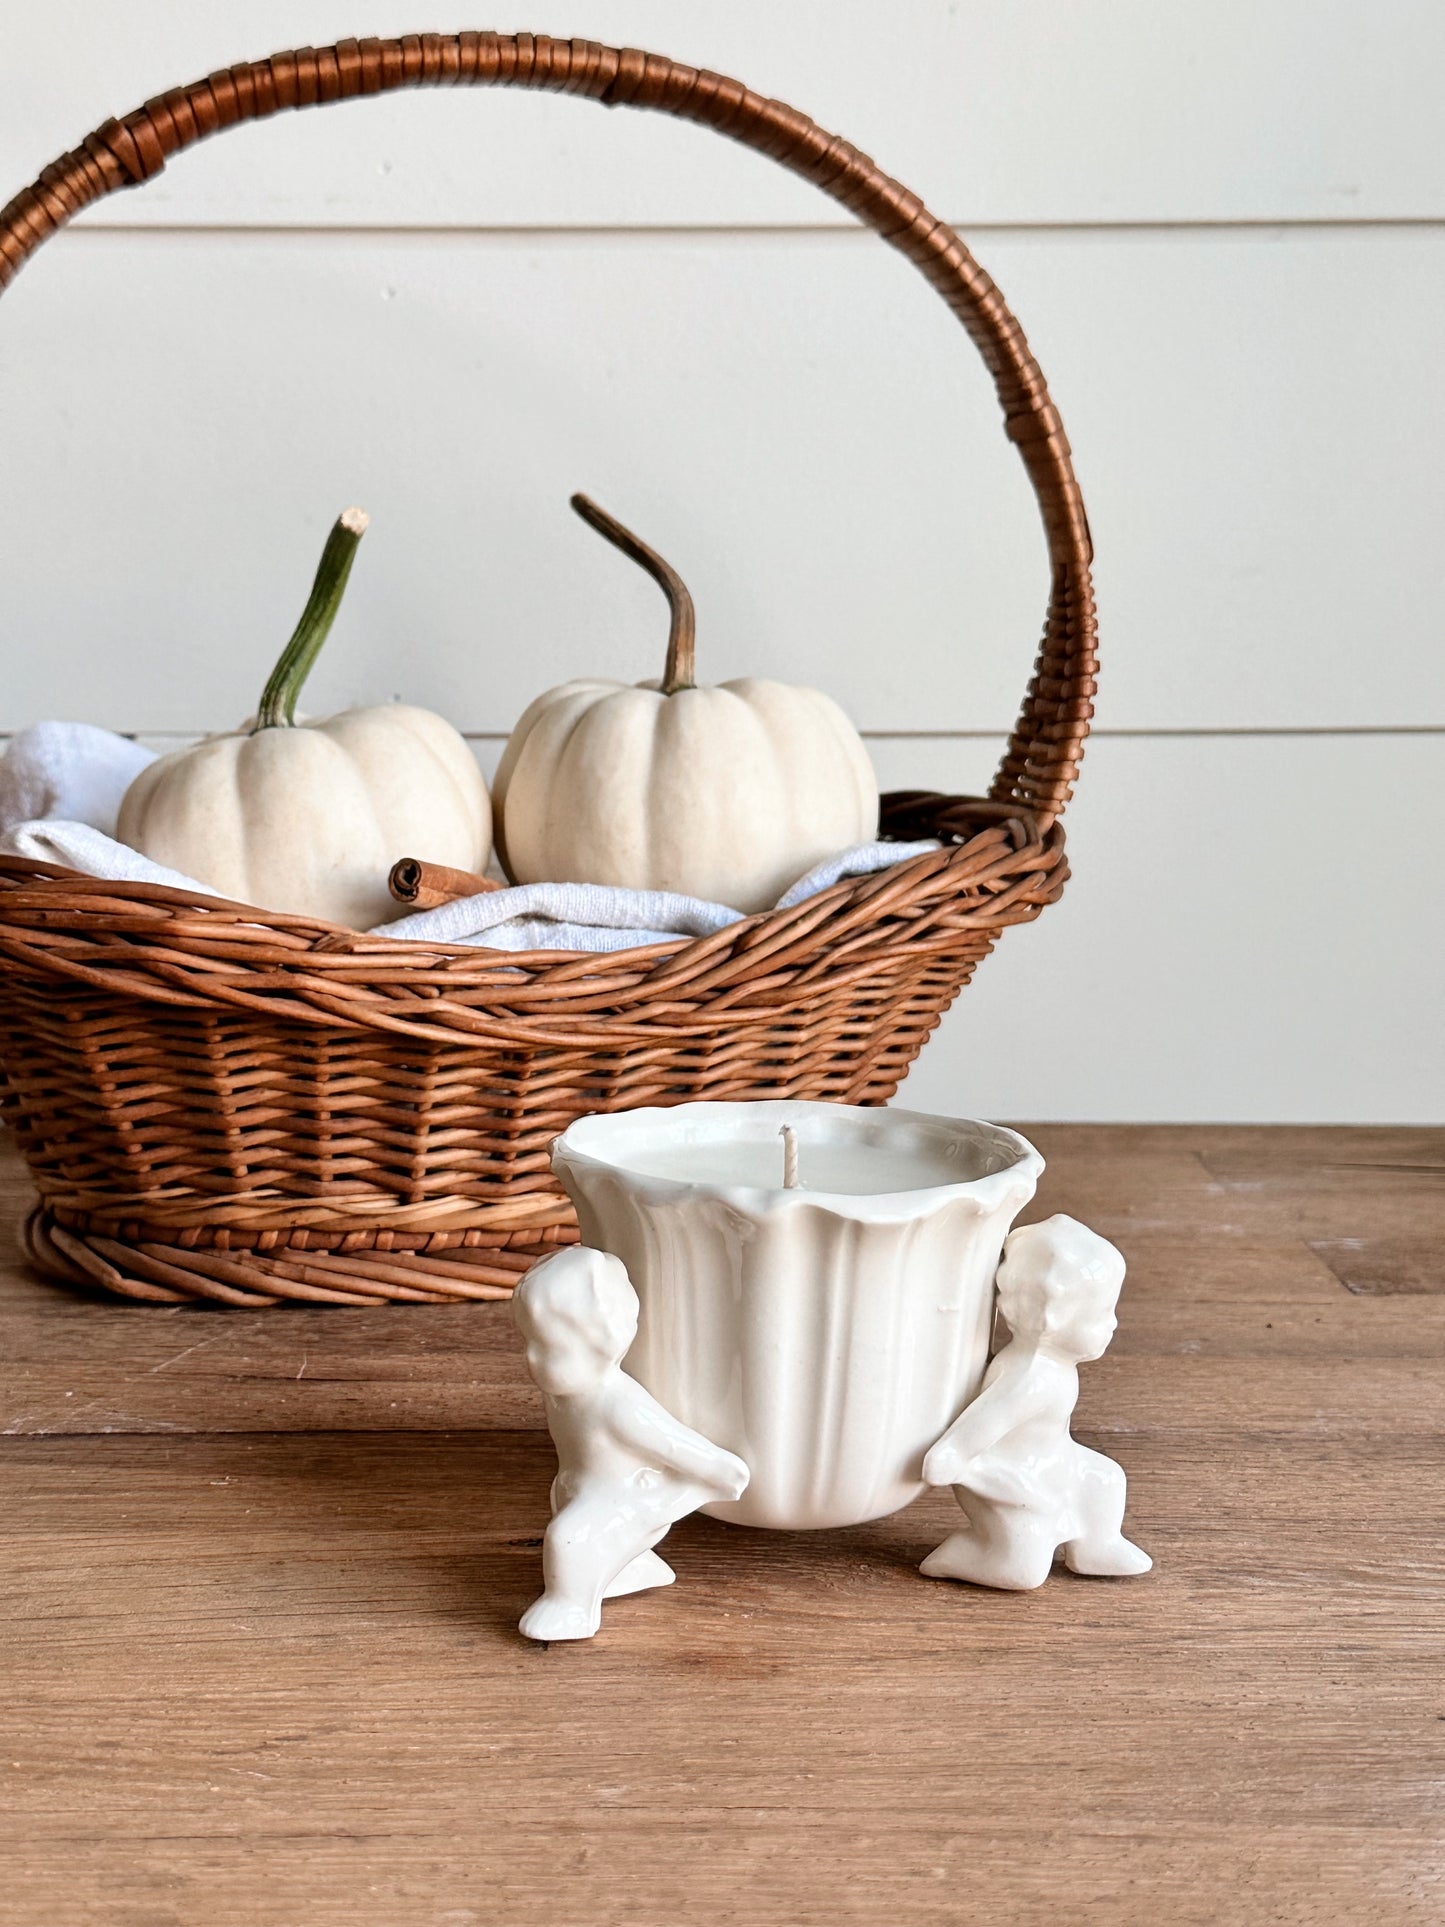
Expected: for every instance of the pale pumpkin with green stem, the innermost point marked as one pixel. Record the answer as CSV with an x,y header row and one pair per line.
x,y
308,818
728,793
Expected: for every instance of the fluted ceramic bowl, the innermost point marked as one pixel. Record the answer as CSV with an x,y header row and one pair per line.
x,y
827,1334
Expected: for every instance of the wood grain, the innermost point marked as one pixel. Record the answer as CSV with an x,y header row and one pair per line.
x,y
1403,1265
261,1576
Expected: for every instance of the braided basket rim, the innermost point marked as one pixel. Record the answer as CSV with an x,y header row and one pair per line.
x,y
48,914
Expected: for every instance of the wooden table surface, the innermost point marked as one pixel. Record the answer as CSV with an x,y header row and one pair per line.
x,y
263,1570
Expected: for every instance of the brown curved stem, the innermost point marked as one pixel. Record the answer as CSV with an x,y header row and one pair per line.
x,y
682,637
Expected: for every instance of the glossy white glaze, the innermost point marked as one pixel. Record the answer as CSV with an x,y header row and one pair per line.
x,y
626,1469
827,1336
1027,1490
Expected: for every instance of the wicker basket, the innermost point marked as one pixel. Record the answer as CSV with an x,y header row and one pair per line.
x,y
222,1105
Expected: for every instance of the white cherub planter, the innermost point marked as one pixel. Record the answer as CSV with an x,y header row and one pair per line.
x,y
801,1348
1027,1491
626,1469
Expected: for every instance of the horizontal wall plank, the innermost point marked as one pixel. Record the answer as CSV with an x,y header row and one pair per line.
x,y
1252,932
795,420
1062,111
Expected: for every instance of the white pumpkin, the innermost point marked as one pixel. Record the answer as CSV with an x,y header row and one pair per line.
x,y
729,793
308,818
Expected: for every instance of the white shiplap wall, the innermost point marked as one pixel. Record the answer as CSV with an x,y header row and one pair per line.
x,y
1223,227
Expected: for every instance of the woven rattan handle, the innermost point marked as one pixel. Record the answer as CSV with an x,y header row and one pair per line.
x,y
1042,759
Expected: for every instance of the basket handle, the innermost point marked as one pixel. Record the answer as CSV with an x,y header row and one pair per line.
x,y
1042,759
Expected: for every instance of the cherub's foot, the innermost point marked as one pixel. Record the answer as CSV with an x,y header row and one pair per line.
x,y
964,1556
548,1618
640,1573
1117,1558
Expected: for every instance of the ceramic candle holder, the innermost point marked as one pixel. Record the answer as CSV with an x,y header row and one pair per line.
x,y
827,1334
781,1315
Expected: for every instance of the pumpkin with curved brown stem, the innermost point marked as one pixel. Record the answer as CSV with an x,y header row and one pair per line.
x,y
729,793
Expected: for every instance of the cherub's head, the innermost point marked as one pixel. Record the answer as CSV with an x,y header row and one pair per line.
x,y
1059,1283
578,1315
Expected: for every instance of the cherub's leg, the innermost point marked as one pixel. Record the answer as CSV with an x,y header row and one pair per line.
x,y
644,1571
1007,1546
588,1545
1099,1546
673,1500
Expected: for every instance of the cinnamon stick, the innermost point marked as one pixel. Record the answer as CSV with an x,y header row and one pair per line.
x,y
426,886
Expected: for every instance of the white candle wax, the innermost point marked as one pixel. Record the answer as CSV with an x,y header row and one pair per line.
x,y
843,1151
836,1170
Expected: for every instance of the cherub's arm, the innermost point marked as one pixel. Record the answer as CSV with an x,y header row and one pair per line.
x,y
638,1422
978,1428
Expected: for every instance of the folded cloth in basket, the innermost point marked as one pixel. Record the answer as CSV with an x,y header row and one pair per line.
x,y
60,791
71,770
597,916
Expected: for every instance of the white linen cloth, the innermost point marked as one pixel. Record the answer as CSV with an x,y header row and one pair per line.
x,y
80,846
70,770
598,916
61,786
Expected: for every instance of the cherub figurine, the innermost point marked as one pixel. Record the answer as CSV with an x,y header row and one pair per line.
x,y
627,1470
1025,1487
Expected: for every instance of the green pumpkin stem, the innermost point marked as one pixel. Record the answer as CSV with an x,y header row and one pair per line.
x,y
277,709
681,640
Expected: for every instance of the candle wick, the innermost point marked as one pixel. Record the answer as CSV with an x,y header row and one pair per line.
x,y
790,1157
